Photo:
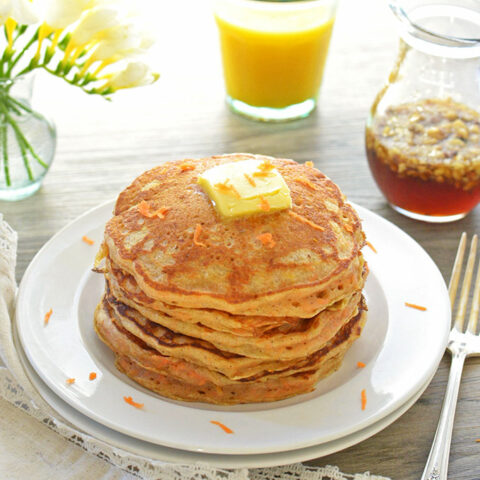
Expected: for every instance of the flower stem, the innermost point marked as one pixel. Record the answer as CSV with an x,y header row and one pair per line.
x,y
6,168
19,56
21,137
26,162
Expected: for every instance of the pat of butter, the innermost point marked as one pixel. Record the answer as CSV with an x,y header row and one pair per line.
x,y
245,187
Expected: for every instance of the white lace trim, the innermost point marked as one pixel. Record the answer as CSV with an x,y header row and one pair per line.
x,y
8,246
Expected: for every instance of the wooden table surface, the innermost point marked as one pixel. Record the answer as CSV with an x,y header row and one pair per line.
x,y
102,146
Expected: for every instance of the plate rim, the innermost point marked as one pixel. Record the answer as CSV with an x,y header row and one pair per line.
x,y
136,446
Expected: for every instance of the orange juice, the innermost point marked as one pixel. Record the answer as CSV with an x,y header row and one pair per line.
x,y
273,68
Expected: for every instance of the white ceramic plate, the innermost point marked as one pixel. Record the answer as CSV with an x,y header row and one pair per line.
x,y
172,455
401,347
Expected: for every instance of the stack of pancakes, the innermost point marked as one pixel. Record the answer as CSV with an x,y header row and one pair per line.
x,y
249,309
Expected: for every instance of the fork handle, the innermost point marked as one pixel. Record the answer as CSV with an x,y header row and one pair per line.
x,y
437,463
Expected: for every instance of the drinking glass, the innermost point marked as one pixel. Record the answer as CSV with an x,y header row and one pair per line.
x,y
274,55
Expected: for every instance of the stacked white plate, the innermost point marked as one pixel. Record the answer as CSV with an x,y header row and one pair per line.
x,y
400,346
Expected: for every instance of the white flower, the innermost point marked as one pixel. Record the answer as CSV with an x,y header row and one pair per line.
x,y
59,14
93,23
121,41
135,74
22,12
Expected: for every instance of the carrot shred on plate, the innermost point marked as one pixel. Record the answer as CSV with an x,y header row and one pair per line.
x,y
47,316
88,240
70,381
222,426
267,240
361,365
196,236
418,307
130,401
92,376
364,399
374,250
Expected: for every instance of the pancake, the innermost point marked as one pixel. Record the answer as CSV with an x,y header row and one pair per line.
x,y
200,308
203,353
286,342
124,286
269,391
183,380
317,243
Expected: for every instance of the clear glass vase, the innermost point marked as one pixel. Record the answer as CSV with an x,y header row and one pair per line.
x,y
27,141
423,131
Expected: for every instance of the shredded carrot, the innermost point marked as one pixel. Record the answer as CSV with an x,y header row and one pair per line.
x,y
184,167
371,246
47,316
264,205
70,381
130,401
418,307
302,219
267,240
161,212
364,399
92,376
309,164
348,228
88,240
266,166
225,187
196,236
222,426
144,209
261,174
306,182
251,181
360,365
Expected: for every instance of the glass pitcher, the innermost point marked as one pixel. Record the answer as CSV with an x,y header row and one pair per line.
x,y
423,129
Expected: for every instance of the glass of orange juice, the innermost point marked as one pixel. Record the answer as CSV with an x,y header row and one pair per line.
x,y
274,54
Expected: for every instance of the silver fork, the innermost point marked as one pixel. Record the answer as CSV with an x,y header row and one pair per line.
x,y
461,345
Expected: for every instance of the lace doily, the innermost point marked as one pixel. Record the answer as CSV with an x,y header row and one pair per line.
x,y
18,390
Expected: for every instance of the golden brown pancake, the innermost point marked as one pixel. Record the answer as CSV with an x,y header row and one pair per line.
x,y
198,308
317,243
286,342
181,379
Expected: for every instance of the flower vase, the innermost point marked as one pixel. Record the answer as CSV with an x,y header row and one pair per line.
x,y
27,140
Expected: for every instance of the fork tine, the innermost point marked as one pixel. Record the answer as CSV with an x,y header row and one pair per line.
x,y
457,268
467,280
473,319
